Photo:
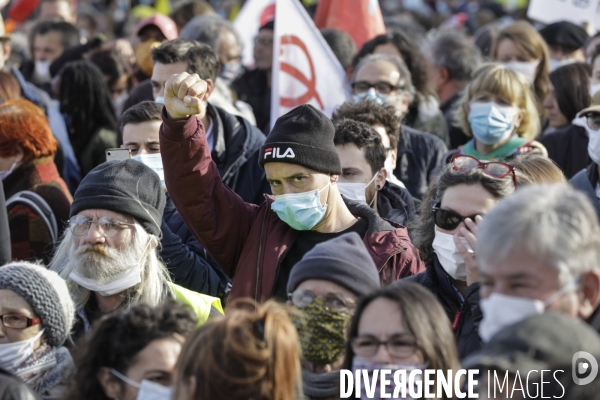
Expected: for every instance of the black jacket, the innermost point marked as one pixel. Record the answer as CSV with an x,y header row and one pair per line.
x,y
456,134
395,204
13,388
253,88
463,315
419,155
567,147
188,262
235,151
586,180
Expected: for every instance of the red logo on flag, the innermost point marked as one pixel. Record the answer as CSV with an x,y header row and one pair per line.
x,y
310,83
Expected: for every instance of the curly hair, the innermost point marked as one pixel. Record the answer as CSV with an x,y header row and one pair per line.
x,y
24,125
423,228
371,114
244,355
499,80
117,338
364,137
411,55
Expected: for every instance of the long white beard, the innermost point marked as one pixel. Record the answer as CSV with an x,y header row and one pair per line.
x,y
101,263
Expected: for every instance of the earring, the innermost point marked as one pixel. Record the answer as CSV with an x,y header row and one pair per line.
x,y
378,187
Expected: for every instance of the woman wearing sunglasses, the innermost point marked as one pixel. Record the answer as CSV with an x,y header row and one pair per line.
x,y
444,233
36,316
401,327
498,110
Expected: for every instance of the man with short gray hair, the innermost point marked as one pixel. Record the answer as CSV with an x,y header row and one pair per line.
x,y
451,61
538,250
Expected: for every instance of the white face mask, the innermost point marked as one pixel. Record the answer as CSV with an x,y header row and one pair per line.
x,y
448,255
147,390
594,145
501,311
526,68
4,174
554,64
154,162
356,191
118,283
42,70
594,88
13,354
160,100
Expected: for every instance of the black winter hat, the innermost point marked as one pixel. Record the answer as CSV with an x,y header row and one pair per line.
x,y
343,260
127,187
566,34
303,136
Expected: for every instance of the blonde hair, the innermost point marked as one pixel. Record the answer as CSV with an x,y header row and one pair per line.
x,y
527,39
244,355
536,169
501,81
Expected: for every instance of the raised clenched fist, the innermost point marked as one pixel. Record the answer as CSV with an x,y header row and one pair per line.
x,y
184,94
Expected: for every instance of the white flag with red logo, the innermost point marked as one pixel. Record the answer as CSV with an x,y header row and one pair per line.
x,y
253,15
305,70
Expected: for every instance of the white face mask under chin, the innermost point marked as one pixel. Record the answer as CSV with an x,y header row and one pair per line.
x,y
13,354
448,255
501,311
4,174
147,390
356,191
118,283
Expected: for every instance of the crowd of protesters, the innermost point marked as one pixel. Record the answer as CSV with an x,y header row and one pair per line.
x,y
445,217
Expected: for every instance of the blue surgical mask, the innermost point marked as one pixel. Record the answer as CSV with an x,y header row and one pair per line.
x,y
230,72
147,390
491,123
301,211
4,174
372,95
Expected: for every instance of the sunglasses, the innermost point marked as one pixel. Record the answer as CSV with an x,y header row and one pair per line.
x,y
448,220
494,169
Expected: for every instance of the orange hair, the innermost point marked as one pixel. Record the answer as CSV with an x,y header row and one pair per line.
x,y
24,125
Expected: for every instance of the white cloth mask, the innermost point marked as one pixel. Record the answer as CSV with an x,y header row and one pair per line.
x,y
154,162
147,390
526,68
160,100
42,70
501,311
13,354
118,283
594,145
448,255
356,191
554,64
594,88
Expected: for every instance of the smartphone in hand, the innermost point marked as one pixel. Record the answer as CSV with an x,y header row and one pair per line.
x,y
117,154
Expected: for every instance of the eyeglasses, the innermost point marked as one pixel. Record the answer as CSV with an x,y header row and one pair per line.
x,y
263,41
19,321
448,220
593,121
334,301
80,225
380,87
398,346
495,169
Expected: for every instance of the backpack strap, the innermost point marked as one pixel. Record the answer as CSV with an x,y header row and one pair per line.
x,y
41,208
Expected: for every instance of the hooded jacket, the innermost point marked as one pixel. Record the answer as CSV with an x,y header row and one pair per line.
x,y
464,314
250,241
235,153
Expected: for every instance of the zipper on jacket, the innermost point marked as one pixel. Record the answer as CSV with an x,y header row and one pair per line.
x,y
232,165
262,228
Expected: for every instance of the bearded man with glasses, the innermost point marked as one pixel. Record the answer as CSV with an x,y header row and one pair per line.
x,y
108,255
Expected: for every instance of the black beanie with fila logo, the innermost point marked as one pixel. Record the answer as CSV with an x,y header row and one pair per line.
x,y
303,136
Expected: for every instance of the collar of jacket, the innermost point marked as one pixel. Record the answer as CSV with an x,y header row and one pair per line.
x,y
592,173
391,205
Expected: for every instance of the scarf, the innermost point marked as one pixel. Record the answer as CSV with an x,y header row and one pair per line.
x,y
45,368
321,385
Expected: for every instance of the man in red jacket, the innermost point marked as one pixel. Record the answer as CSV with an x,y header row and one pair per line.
x,y
257,246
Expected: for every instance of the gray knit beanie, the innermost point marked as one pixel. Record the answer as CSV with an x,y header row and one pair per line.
x,y
48,295
343,260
